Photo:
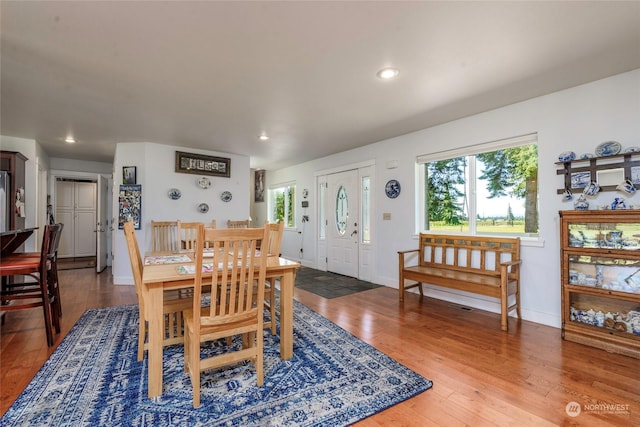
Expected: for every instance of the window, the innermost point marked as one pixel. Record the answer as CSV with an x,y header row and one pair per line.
x,y
282,205
490,189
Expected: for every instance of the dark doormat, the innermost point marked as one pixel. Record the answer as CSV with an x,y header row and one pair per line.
x,y
78,262
330,285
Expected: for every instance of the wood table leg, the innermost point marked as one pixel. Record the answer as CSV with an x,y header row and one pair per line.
x,y
287,282
153,306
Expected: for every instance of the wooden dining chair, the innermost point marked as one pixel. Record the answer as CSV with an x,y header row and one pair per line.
x,y
244,223
174,302
52,272
38,293
273,249
187,234
236,306
164,236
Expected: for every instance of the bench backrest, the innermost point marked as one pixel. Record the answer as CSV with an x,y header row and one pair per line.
x,y
468,253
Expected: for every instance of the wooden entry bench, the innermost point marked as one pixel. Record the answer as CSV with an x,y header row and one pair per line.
x,y
481,265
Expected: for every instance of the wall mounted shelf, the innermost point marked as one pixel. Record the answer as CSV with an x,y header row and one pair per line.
x,y
582,171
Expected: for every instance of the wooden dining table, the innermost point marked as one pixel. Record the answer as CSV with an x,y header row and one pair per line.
x,y
158,277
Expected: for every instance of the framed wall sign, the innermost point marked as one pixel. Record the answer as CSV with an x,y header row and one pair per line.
x,y
130,205
201,164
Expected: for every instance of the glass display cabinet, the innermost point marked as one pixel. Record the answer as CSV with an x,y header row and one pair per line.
x,y
601,279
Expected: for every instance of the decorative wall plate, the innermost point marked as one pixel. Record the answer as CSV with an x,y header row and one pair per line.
x,y
566,156
392,189
203,208
204,182
609,148
632,150
175,194
226,196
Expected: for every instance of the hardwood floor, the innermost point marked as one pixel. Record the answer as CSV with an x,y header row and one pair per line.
x,y
481,376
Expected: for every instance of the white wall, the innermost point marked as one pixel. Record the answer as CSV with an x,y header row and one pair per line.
x,y
37,158
155,165
81,166
576,119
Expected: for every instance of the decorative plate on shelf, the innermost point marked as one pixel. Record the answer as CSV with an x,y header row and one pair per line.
x,y
609,148
204,182
226,196
203,208
567,156
586,156
632,150
175,194
392,188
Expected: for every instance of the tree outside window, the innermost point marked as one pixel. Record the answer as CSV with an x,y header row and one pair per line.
x,y
282,205
492,192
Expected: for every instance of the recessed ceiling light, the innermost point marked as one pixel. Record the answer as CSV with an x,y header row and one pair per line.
x,y
264,137
70,140
387,73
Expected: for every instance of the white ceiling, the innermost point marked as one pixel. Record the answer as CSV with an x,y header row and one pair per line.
x,y
215,75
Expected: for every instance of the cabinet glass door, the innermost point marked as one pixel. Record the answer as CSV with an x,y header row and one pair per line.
x,y
615,274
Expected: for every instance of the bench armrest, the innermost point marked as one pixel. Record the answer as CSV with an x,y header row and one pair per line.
x,y
509,266
409,251
401,255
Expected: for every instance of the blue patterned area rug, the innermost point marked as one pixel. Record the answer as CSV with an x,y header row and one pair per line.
x,y
93,379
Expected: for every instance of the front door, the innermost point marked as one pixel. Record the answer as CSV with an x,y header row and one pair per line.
x,y
342,223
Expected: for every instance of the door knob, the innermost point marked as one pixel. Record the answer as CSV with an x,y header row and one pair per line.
x,y
354,232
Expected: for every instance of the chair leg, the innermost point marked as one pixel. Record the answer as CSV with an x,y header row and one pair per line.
x,y
194,370
258,343
142,335
46,308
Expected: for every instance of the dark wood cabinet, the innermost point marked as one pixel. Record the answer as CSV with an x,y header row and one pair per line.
x,y
13,163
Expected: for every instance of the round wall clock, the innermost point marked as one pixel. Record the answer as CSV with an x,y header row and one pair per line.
x,y
392,189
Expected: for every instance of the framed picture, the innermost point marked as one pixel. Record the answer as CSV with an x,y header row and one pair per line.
x,y
129,175
200,164
259,186
130,205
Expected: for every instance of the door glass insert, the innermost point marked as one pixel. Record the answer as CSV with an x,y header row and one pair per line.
x,y
342,210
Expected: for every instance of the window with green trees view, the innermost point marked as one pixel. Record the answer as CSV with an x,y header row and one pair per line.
x,y
282,205
489,189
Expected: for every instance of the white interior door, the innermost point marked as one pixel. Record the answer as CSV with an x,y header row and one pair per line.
x,y
102,218
342,223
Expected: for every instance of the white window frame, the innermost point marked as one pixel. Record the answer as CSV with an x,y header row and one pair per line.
x,y
502,144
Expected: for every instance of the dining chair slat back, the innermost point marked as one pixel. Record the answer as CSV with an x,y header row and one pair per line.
x,y
164,236
187,234
276,231
236,278
243,223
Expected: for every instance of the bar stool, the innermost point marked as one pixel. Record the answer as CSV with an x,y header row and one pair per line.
x,y
19,296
